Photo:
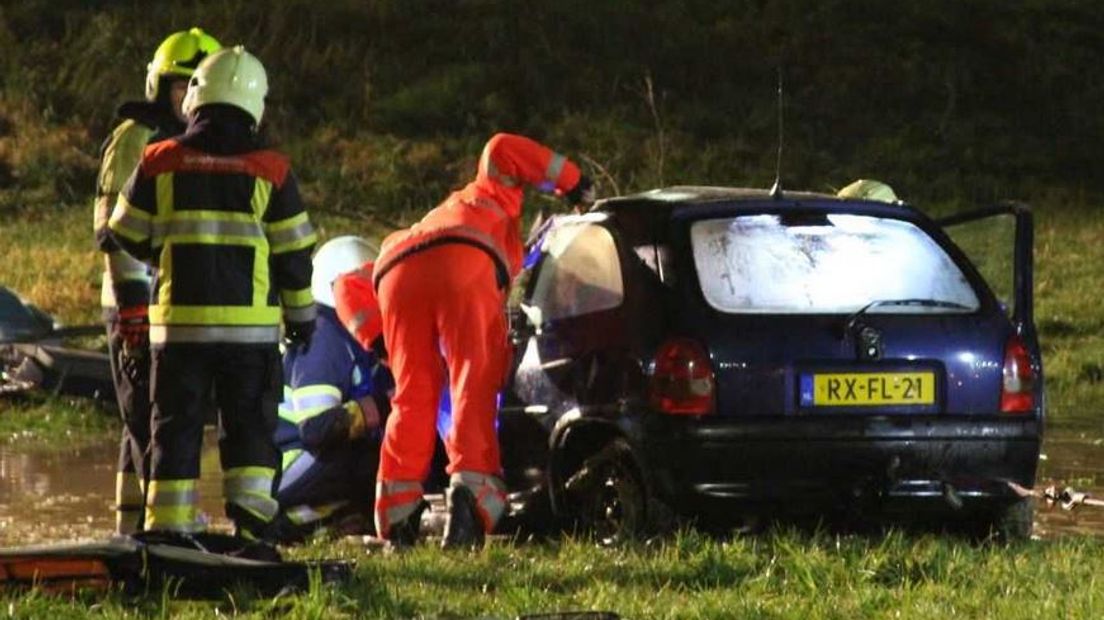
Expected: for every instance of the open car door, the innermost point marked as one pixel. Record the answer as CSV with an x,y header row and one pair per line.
x,y
999,241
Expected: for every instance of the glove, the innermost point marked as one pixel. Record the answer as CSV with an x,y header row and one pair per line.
x,y
297,334
364,416
134,328
582,194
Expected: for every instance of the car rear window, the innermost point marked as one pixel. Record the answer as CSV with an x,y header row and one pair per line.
x,y
824,265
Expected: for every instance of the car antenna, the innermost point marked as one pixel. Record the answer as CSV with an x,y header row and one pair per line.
x,y
776,190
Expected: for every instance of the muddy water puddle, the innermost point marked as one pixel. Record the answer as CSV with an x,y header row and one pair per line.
x,y
54,495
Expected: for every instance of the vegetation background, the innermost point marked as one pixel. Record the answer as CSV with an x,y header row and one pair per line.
x,y
383,106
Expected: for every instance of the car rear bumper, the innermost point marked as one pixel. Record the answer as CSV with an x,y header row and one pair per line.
x,y
803,463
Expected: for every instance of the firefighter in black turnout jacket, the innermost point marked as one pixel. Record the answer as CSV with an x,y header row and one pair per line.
x,y
219,218
124,296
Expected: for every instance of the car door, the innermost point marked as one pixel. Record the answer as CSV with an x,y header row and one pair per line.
x,y
999,241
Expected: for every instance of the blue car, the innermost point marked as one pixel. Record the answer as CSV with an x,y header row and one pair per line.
x,y
716,354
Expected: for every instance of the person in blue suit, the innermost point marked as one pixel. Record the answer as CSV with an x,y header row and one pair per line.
x,y
336,397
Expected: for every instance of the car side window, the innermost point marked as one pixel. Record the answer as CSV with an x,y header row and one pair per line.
x,y
580,274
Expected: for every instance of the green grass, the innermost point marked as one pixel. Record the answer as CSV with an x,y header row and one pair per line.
x,y
43,422
782,574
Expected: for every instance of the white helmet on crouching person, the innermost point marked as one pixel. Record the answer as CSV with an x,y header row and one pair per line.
x,y
338,256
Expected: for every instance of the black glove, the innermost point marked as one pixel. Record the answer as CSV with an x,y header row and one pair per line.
x,y
582,193
297,334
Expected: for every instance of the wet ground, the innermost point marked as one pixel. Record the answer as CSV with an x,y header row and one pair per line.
x,y
1072,458
53,495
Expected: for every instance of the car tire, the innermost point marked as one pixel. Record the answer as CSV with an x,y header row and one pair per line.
x,y
606,497
1015,521
1009,522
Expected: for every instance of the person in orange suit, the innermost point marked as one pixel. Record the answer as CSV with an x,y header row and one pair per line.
x,y
358,308
442,287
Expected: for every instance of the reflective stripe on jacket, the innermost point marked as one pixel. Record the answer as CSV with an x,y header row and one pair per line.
x,y
487,212
229,240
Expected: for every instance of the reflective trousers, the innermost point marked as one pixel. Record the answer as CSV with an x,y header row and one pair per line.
x,y
442,313
131,380
248,383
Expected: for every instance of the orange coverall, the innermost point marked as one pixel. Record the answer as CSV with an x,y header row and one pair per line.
x,y
442,290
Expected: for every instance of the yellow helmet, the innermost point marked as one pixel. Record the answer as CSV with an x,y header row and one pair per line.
x,y
868,189
179,54
232,76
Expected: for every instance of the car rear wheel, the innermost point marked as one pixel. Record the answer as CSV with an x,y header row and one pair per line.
x,y
606,497
1015,521
1006,523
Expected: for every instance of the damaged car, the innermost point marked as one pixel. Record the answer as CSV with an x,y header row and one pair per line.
x,y
714,354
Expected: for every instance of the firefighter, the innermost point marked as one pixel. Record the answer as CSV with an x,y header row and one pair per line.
x,y
442,291
219,218
335,395
124,295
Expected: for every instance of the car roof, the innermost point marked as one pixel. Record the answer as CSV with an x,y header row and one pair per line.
x,y
708,193
679,197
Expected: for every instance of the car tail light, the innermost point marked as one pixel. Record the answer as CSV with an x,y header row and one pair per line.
x,y
682,382
1018,387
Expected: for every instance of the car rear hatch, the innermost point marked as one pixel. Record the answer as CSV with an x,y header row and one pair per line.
x,y
839,308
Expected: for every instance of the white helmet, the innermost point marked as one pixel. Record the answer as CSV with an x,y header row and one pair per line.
x,y
232,76
337,256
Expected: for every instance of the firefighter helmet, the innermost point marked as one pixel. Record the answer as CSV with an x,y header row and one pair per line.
x,y
338,256
232,76
178,55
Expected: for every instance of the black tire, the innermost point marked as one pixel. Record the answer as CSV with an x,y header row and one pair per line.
x,y
606,498
1009,522
1015,522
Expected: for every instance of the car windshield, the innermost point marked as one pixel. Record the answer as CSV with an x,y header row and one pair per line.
x,y
773,264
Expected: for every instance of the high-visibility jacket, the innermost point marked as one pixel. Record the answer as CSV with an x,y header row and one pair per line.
x,y
222,223
126,280
487,212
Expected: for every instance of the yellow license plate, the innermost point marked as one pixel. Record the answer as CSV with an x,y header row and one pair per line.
x,y
868,388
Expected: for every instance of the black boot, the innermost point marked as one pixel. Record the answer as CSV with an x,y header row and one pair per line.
x,y
405,533
464,528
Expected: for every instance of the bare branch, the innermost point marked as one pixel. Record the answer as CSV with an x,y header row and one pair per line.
x,y
605,173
